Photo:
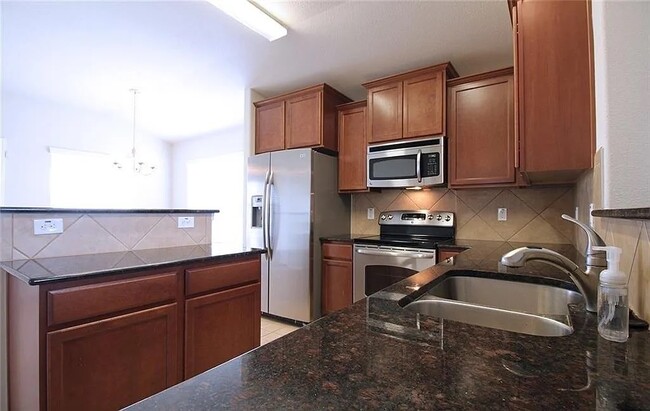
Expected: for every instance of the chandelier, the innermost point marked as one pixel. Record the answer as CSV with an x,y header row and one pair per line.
x,y
135,164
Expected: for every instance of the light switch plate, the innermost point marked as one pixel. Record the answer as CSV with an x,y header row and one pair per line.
x,y
51,226
371,213
185,222
502,214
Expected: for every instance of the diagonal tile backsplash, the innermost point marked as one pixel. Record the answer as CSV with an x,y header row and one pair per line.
x,y
533,214
94,233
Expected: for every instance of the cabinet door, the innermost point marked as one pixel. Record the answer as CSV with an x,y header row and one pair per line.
x,y
424,105
555,84
337,285
352,149
385,112
304,120
221,326
109,364
269,127
481,132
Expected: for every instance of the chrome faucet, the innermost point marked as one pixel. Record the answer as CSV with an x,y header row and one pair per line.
x,y
586,281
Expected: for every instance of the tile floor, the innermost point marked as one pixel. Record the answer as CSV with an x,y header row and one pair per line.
x,y
273,329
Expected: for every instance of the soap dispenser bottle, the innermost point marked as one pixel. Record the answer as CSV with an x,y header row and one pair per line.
x,y
613,309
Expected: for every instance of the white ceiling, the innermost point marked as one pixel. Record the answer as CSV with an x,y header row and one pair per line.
x,y
193,63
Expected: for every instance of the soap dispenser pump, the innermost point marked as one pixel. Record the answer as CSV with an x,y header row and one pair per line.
x,y
613,309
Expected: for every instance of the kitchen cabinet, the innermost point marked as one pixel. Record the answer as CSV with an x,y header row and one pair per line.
x,y
223,320
555,88
112,363
336,276
408,105
104,342
304,118
352,147
445,253
269,127
481,137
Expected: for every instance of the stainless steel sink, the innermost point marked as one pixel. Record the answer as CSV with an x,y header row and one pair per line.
x,y
517,306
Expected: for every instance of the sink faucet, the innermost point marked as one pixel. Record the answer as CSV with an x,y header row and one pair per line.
x,y
586,281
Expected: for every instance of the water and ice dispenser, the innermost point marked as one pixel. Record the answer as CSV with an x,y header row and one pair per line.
x,y
257,211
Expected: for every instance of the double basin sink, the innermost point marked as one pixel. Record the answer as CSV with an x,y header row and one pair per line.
x,y
507,302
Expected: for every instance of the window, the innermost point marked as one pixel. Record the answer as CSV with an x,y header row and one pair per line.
x,y
82,179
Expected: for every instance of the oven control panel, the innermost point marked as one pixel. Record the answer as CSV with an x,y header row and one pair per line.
x,y
418,217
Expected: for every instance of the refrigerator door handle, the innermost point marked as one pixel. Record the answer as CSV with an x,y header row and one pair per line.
x,y
264,209
269,245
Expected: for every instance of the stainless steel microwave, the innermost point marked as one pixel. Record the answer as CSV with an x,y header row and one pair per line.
x,y
416,163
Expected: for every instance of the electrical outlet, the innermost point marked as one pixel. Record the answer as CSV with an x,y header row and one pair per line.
x,y
502,214
371,213
51,226
185,222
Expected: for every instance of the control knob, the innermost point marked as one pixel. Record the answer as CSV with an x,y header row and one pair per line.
x,y
439,217
383,216
447,218
390,216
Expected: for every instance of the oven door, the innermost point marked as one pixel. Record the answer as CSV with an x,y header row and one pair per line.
x,y
377,267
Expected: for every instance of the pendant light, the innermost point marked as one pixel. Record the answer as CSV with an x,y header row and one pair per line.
x,y
138,166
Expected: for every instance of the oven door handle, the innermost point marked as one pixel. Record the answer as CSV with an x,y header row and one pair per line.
x,y
418,167
396,253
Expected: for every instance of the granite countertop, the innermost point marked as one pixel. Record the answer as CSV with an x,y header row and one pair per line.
x,y
105,210
631,213
47,270
375,355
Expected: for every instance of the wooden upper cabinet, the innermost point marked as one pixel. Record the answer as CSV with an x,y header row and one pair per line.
x,y
424,105
304,118
481,134
303,123
408,105
269,127
352,147
385,112
554,75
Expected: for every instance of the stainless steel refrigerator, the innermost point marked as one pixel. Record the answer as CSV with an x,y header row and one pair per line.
x,y
292,202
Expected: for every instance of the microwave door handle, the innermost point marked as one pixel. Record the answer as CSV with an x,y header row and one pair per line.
x,y
428,256
418,169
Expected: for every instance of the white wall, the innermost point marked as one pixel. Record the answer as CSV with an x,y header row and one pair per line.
x,y
226,187
622,73
32,124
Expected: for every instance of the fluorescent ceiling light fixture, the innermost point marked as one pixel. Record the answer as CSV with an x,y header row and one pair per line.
x,y
252,17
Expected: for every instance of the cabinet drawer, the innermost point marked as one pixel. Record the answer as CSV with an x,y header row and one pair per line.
x,y
88,301
222,276
337,251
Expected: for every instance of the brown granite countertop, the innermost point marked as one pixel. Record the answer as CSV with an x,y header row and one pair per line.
x,y
631,213
54,269
376,355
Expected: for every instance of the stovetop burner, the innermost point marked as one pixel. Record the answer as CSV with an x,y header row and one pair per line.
x,y
414,229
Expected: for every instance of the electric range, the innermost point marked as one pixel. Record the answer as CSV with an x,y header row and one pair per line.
x,y
407,243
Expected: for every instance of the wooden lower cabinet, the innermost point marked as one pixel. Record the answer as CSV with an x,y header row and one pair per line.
x,y
104,343
444,254
112,363
336,277
221,326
